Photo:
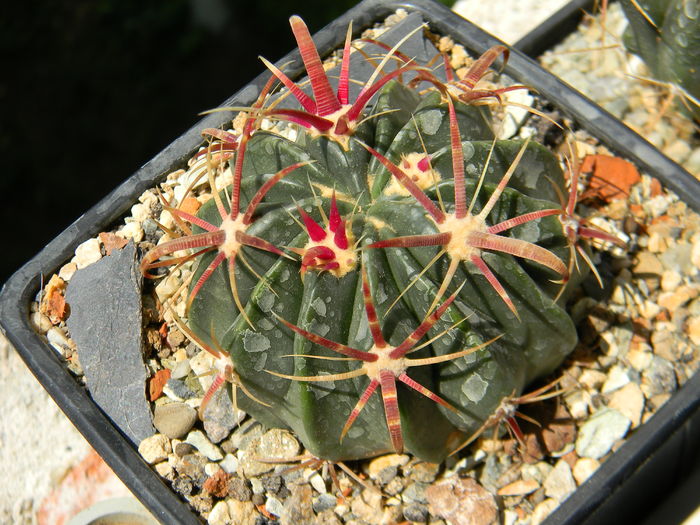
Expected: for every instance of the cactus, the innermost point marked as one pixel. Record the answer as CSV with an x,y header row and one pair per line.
x,y
666,35
385,278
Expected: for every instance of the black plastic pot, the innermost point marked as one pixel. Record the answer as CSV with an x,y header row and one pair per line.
x,y
673,426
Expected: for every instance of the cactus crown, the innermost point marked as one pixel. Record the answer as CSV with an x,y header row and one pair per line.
x,y
384,242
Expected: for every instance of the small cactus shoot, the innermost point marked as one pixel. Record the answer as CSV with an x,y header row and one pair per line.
x,y
381,274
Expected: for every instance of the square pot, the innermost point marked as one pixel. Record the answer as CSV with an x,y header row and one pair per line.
x,y
674,426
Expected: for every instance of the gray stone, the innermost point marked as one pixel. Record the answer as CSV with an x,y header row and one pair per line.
x,y
416,513
105,323
598,435
239,489
174,419
324,502
659,377
415,493
177,390
220,417
247,432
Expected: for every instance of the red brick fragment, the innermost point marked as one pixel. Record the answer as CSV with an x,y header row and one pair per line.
x,y
612,176
112,242
157,382
217,485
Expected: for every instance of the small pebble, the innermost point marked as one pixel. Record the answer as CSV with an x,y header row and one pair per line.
x,y
239,489
617,378
659,378
87,253
602,430
520,487
422,471
58,340
177,390
543,510
415,513
132,230
229,463
389,461
560,482
584,469
274,444
155,448
219,514
414,493
693,329
592,379
324,502
242,512
274,506
629,401
198,440
182,449
462,501
174,419
318,484
670,280
40,322
211,469
537,472
67,271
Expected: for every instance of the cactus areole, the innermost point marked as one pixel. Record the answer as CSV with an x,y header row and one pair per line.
x,y
385,278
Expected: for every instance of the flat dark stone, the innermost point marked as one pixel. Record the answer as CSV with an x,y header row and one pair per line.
x,y
105,324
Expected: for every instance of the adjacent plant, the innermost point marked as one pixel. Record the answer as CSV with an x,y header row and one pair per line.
x,y
666,35
389,244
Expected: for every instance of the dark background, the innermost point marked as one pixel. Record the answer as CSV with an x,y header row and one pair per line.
x,y
92,89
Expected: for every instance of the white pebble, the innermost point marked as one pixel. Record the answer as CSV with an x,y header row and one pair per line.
x,y
629,400
257,486
155,448
602,430
560,482
140,212
229,464
670,280
198,440
167,287
181,369
87,253
617,378
584,469
274,506
318,483
219,515
211,468
57,338
40,322
67,271
131,230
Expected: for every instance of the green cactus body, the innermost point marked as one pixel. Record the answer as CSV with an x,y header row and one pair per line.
x,y
299,304
670,46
